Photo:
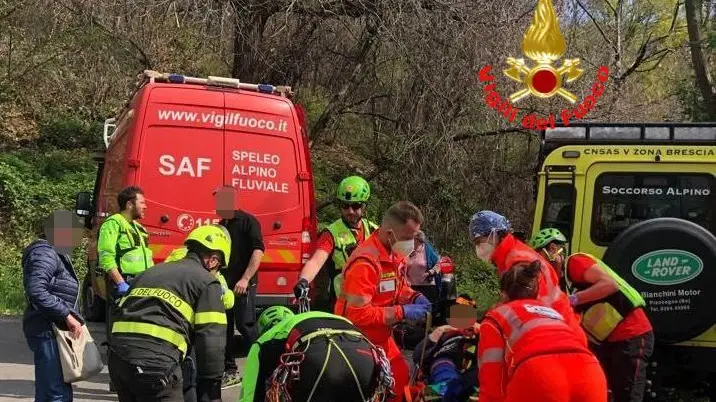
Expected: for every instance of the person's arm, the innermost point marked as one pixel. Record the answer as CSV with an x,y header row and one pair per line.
x,y
38,269
227,296
251,374
359,285
210,342
257,244
603,285
107,250
324,248
491,360
253,230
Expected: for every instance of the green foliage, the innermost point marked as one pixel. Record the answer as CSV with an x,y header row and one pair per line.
x,y
32,185
475,278
68,131
691,101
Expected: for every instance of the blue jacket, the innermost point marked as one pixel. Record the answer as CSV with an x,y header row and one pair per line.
x,y
432,257
51,288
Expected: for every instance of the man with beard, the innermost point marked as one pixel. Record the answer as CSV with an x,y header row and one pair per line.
x,y
123,249
339,240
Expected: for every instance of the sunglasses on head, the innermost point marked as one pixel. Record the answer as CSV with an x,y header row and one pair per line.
x,y
352,205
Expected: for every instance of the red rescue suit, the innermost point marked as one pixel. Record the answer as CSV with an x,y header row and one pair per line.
x,y
511,251
527,352
372,292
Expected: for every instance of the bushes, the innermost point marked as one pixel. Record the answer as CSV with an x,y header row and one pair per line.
x,y
32,185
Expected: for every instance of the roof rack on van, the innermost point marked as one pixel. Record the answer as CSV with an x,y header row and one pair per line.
x,y
225,82
617,133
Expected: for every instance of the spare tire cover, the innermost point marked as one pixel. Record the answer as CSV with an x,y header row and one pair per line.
x,y
672,264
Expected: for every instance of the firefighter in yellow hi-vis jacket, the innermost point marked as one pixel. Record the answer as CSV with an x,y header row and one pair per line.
x,y
170,310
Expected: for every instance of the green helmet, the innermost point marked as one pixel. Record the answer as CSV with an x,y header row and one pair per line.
x,y
213,238
547,236
353,189
272,316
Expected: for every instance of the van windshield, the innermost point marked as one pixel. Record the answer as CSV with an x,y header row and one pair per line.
x,y
624,199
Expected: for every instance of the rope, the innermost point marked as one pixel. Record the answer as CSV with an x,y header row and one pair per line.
x,y
323,370
350,367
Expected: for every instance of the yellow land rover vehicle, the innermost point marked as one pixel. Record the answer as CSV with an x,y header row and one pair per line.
x,y
643,198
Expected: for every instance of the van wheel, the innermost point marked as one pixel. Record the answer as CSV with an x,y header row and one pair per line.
x,y
670,262
92,307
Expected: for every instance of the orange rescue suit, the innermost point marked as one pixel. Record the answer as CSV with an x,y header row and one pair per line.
x,y
527,352
511,251
374,288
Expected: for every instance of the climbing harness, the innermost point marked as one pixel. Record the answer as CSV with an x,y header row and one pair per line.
x,y
288,371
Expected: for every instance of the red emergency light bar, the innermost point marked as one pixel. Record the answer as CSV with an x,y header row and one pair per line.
x,y
225,82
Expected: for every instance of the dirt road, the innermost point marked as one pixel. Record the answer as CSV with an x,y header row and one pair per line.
x,y
17,371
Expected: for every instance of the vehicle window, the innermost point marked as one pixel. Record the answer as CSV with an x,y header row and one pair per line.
x,y
624,199
558,208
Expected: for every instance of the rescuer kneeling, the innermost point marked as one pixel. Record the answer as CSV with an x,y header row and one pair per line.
x,y
613,315
170,309
527,352
313,356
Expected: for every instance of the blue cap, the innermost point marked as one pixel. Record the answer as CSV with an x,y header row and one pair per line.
x,y
484,222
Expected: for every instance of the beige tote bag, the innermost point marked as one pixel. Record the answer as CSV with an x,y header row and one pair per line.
x,y
80,357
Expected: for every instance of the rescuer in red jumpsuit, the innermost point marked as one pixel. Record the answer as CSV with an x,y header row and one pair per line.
x,y
527,352
494,242
375,294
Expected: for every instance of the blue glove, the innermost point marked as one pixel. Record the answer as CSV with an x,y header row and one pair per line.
x,y
415,312
573,299
422,300
121,288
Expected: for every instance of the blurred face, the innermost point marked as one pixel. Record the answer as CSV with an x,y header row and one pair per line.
x,y
64,232
138,207
351,212
225,202
462,316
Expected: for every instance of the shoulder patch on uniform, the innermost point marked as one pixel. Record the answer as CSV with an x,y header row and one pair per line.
x,y
544,311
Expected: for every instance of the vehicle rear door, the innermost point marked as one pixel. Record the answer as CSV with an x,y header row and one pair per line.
x,y
181,159
262,163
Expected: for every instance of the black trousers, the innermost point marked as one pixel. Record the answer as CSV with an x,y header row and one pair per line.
x,y
243,317
163,384
624,365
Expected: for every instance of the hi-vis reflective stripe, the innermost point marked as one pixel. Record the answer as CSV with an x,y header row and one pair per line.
x,y
518,329
170,298
209,317
281,255
491,355
155,331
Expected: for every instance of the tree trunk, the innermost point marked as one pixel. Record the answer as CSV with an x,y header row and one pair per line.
x,y
249,27
697,57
